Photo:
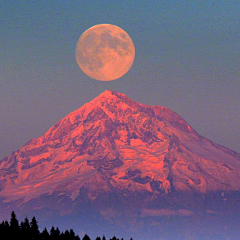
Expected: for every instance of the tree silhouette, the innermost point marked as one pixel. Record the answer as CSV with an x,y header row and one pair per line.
x,y
30,231
114,238
72,235
25,229
86,237
103,238
44,234
4,230
66,235
25,225
54,233
14,226
34,229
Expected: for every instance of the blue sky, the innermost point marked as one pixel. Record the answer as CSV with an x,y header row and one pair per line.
x,y
187,59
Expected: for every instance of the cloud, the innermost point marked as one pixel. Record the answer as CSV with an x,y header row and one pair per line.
x,y
165,212
212,212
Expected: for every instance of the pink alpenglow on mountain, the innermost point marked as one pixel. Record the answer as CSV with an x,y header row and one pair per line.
x,y
119,162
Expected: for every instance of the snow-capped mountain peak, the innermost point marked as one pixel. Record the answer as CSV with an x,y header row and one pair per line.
x,y
114,145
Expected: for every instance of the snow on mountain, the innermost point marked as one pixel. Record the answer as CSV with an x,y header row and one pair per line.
x,y
116,145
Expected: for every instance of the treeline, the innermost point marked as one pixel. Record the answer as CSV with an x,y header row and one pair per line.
x,y
29,230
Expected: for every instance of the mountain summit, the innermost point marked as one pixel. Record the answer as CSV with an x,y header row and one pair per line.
x,y
116,155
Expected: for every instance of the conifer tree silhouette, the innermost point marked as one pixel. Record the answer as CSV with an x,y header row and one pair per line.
x,y
86,237
30,231
4,230
44,234
25,229
71,235
67,234
34,229
114,238
54,233
103,238
14,226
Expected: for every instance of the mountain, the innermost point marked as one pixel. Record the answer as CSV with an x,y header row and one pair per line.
x,y
119,163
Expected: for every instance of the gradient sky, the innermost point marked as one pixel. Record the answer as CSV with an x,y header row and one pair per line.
x,y
187,59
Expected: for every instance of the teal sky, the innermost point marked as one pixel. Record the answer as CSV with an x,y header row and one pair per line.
x,y
187,59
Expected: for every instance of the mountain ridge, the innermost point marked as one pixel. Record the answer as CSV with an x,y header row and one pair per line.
x,y
115,156
101,116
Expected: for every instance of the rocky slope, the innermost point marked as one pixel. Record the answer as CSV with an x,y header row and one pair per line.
x,y
116,155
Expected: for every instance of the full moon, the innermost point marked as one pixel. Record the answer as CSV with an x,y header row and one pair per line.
x,y
105,52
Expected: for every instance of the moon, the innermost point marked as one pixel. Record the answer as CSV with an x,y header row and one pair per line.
x,y
105,52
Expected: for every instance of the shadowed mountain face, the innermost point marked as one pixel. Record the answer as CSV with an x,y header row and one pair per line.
x,y
125,165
